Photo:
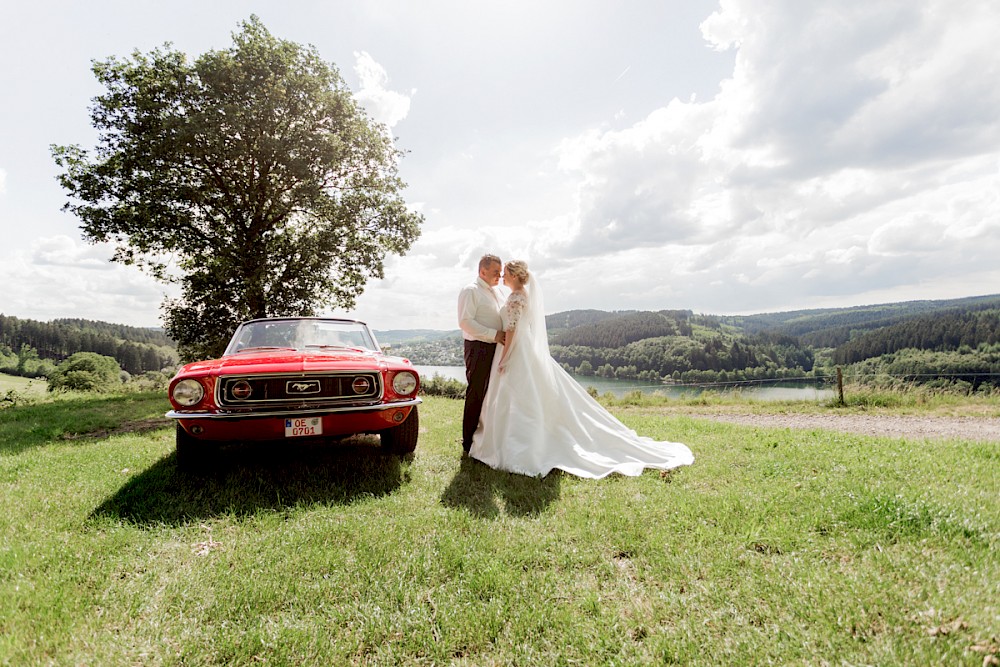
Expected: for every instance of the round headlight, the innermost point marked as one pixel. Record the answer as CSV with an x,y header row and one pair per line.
x,y
404,383
188,393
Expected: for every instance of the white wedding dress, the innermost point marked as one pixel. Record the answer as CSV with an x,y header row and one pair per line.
x,y
536,417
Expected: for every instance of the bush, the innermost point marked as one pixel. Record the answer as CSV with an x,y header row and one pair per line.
x,y
442,386
13,399
86,371
151,381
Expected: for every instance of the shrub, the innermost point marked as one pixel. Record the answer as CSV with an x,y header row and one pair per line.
x,y
442,386
86,371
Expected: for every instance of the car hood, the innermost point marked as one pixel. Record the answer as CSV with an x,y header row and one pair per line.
x,y
288,361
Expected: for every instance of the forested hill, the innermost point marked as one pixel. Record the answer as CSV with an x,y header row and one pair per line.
x,y
119,331
950,331
892,338
618,328
831,327
137,350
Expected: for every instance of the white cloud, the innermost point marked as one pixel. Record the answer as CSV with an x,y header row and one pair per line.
x,y
385,106
62,277
3,181
848,152
63,251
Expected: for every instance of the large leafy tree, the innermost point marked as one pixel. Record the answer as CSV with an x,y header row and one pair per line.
x,y
249,176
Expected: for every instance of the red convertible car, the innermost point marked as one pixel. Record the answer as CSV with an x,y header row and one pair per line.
x,y
295,378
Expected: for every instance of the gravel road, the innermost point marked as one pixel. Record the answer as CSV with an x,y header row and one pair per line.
x,y
892,426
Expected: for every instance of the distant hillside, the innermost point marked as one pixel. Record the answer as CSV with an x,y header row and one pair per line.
x,y
947,341
424,346
136,349
621,328
151,335
918,340
944,332
396,336
830,327
571,319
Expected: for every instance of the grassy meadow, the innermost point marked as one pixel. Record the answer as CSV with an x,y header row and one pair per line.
x,y
11,385
775,547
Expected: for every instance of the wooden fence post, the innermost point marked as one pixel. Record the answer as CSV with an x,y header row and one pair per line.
x,y
840,386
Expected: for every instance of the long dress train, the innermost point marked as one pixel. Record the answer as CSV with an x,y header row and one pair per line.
x,y
536,417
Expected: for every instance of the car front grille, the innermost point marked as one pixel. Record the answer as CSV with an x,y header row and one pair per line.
x,y
277,391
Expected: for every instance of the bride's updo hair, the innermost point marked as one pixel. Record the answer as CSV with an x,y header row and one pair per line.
x,y
520,269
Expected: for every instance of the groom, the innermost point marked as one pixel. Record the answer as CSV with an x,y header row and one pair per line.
x,y
479,319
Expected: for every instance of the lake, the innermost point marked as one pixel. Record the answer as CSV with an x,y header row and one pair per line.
x,y
769,391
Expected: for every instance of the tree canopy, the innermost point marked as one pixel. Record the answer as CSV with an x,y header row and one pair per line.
x,y
86,371
249,176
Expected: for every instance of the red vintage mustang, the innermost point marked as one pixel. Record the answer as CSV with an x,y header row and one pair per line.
x,y
295,377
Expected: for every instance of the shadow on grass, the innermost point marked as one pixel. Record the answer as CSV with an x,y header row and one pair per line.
x,y
24,427
264,476
481,490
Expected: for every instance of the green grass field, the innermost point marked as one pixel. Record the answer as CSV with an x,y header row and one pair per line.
x,y
23,386
775,547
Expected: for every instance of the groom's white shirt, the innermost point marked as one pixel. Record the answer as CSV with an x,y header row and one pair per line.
x,y
479,312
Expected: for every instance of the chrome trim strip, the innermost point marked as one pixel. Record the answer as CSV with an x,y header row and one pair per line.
x,y
307,375
173,414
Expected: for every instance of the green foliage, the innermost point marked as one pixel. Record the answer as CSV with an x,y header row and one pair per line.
x,y
442,386
254,168
938,332
708,359
137,350
953,350
86,371
618,330
441,351
974,368
831,327
571,319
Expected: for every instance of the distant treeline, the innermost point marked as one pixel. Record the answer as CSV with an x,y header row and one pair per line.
x,y
832,327
706,356
137,350
625,328
949,342
940,332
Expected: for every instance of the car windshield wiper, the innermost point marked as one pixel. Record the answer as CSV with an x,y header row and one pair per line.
x,y
337,347
264,347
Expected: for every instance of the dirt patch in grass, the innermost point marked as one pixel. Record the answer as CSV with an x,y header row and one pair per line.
x,y
137,426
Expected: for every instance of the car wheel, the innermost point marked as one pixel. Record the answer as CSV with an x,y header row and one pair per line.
x,y
193,454
402,439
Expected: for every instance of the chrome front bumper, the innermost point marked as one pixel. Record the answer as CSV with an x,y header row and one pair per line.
x,y
292,412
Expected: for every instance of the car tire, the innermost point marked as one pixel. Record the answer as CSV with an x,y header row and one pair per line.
x,y
193,454
402,439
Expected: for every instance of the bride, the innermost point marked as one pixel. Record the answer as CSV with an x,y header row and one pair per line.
x,y
536,417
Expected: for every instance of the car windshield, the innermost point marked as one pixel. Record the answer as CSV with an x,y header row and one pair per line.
x,y
301,334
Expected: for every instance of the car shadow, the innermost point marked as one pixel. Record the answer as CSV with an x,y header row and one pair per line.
x,y
245,479
489,493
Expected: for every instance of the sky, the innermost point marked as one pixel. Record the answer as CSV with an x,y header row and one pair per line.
x,y
729,157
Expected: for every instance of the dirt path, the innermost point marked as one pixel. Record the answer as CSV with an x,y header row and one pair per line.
x,y
892,426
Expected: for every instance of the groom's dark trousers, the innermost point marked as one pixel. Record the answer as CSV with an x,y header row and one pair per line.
x,y
478,360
